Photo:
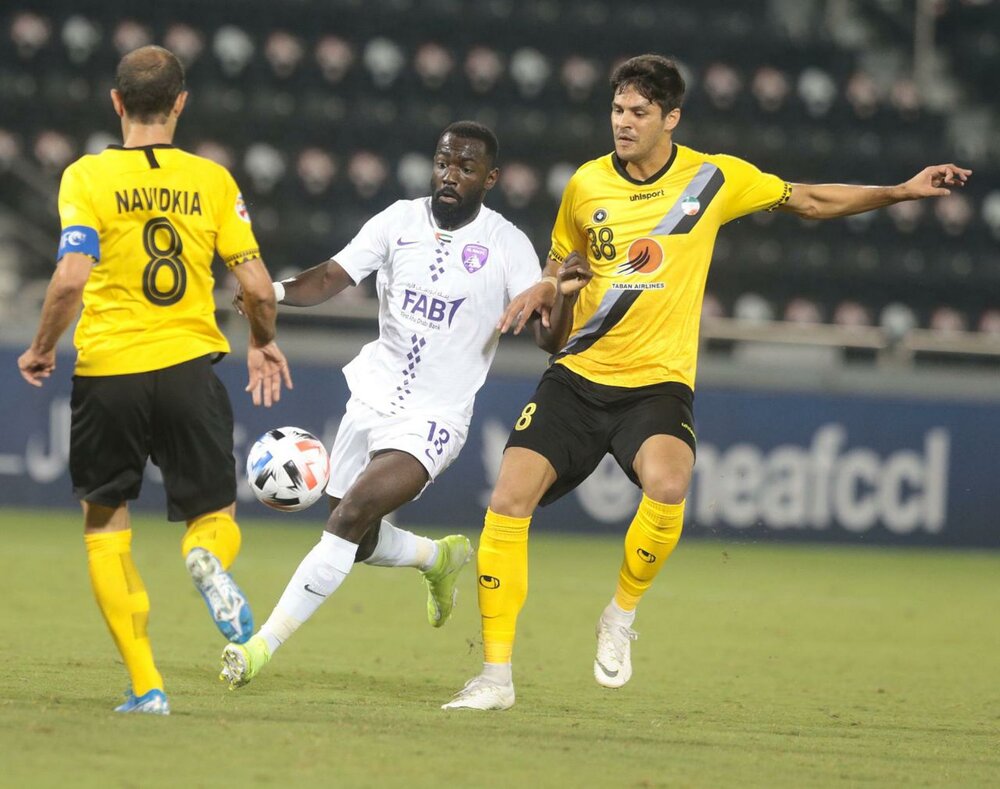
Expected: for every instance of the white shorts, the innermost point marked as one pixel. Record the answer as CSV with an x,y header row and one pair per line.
x,y
363,431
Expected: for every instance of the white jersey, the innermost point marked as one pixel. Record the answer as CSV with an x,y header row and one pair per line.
x,y
441,294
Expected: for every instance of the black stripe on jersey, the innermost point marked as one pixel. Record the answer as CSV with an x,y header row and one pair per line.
x,y
612,319
705,197
151,158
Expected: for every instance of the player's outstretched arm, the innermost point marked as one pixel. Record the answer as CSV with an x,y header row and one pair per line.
x,y
316,285
307,289
572,277
62,304
828,201
266,364
539,299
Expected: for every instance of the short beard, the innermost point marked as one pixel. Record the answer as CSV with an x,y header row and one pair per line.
x,y
452,215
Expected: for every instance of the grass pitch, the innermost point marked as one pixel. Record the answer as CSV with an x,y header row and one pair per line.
x,y
757,666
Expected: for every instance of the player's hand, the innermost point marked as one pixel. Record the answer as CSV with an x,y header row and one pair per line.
x,y
238,300
538,298
268,369
574,274
935,180
35,367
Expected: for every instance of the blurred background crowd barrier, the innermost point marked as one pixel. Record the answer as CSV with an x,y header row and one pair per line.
x,y
327,111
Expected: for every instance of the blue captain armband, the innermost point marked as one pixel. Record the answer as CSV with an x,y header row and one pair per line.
x,y
79,238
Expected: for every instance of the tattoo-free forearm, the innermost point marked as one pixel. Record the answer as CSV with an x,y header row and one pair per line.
x,y
553,338
262,316
828,201
316,285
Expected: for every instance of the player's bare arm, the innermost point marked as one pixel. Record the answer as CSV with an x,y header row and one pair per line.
x,y
572,277
538,299
828,201
309,288
316,285
63,299
266,364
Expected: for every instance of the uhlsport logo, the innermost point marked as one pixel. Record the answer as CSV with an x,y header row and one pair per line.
x,y
645,256
489,582
646,556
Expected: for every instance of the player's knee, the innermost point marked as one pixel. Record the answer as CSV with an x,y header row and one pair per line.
x,y
667,488
352,517
513,503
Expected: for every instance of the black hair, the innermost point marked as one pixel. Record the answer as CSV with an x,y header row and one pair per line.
x,y
471,130
653,77
149,80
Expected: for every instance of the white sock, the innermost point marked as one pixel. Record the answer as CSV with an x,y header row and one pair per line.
x,y
614,611
500,673
317,577
400,548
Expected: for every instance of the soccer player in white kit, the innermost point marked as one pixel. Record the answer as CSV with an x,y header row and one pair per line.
x,y
447,266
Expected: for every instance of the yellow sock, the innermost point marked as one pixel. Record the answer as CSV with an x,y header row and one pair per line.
x,y
503,582
650,539
124,603
217,533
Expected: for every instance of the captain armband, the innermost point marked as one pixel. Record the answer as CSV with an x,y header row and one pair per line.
x,y
79,238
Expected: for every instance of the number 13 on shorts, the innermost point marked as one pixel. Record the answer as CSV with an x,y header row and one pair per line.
x,y
438,437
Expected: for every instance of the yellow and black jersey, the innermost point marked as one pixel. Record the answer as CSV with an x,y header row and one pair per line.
x,y
152,218
649,244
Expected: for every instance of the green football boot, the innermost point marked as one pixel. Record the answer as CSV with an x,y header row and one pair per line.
x,y
454,552
242,662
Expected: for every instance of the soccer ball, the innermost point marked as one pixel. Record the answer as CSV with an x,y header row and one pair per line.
x,y
288,469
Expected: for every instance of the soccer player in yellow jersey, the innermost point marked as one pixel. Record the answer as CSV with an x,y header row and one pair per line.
x,y
645,218
141,224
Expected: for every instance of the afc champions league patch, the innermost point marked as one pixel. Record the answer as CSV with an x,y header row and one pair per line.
x,y
690,205
241,209
474,257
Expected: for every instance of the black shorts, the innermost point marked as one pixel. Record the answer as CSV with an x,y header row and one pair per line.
x,y
179,416
573,423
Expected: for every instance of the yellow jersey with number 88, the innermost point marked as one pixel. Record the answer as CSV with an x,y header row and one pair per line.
x,y
649,244
159,214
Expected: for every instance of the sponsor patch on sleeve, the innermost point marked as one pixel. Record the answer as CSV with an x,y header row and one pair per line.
x,y
241,209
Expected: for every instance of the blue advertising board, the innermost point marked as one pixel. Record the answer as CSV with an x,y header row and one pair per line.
x,y
771,465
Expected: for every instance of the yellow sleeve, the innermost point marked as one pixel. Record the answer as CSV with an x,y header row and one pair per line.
x,y
748,189
235,241
566,235
75,208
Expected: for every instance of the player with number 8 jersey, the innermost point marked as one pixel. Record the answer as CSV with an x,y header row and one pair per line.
x,y
160,214
141,223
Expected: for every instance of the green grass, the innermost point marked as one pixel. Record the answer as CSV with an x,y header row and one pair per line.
x,y
758,665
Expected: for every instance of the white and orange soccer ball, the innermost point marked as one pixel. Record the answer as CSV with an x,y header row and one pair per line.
x,y
288,469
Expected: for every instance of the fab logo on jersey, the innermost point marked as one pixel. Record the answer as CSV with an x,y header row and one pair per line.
x,y
428,310
645,256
